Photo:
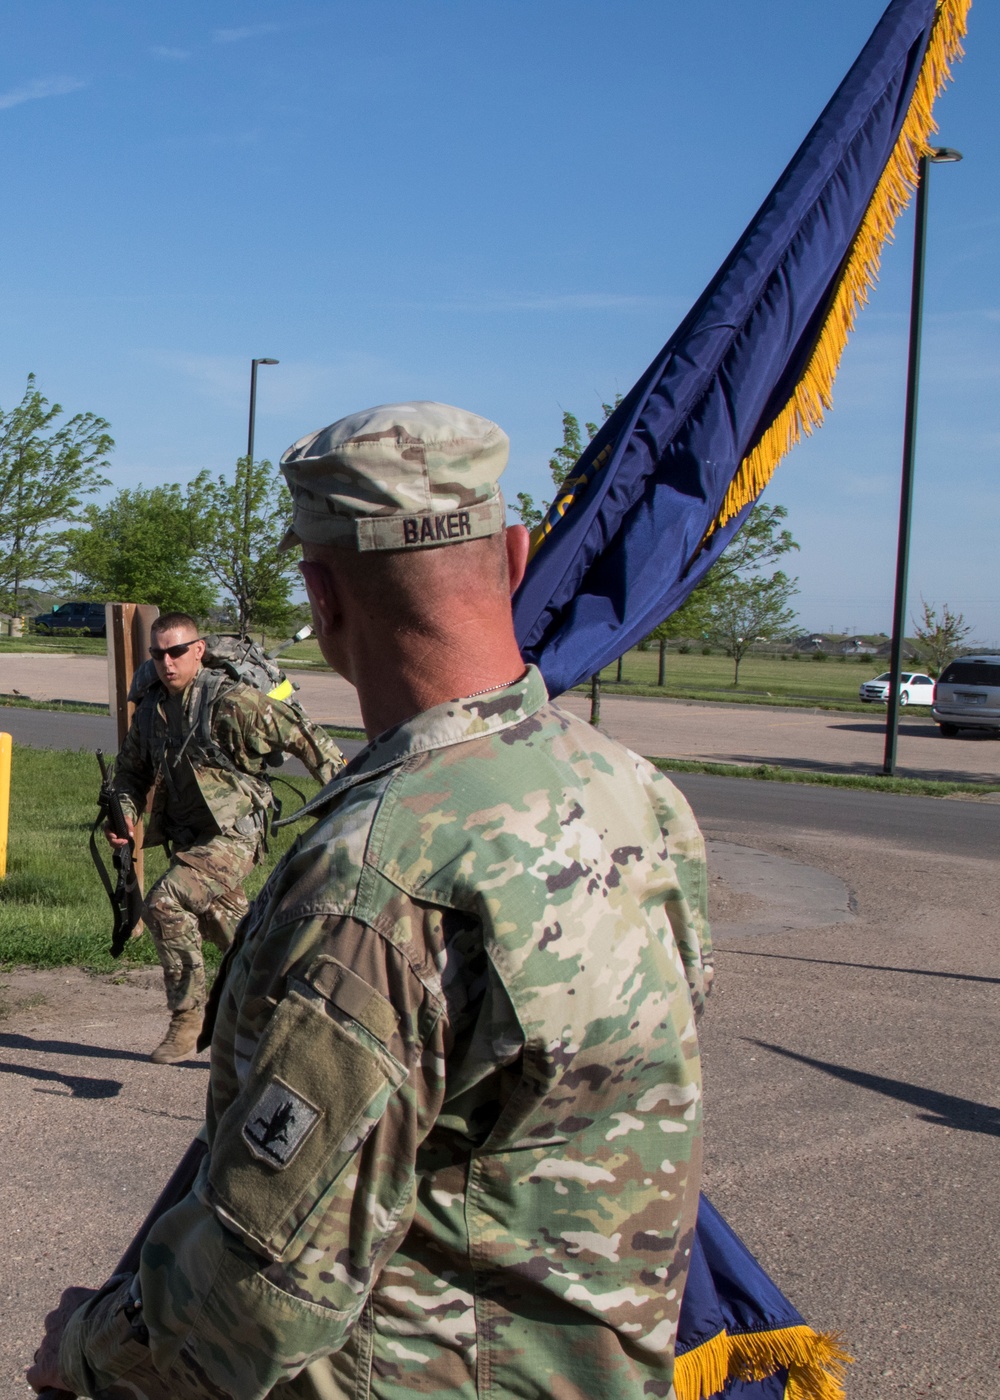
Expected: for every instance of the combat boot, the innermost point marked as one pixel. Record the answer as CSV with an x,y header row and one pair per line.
x,y
181,1038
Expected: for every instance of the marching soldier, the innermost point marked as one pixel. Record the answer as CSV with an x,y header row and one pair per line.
x,y
201,741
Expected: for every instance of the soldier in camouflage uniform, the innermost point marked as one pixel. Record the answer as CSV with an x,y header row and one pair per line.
x,y
209,807
454,1116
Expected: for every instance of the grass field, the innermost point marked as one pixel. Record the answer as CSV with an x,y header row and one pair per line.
x,y
53,909
68,646
763,679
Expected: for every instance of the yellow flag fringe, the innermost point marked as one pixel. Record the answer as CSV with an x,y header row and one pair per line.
x,y
813,395
704,1370
815,1361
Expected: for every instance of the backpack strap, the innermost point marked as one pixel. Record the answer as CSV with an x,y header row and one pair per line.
x,y
213,684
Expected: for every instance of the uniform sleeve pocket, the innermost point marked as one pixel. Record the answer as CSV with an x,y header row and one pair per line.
x,y
318,1085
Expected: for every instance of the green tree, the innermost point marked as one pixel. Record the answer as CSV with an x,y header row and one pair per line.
x,y
750,609
141,547
561,463
567,454
529,513
739,602
240,524
939,638
718,605
45,470
762,539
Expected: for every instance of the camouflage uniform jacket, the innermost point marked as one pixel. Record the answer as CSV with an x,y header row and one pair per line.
x,y
245,728
454,1110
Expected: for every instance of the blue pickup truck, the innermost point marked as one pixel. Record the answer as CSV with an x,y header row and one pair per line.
x,y
80,617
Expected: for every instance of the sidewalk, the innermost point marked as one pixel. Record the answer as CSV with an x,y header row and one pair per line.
x,y
829,742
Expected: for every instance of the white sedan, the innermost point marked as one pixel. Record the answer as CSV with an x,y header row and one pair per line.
x,y
914,689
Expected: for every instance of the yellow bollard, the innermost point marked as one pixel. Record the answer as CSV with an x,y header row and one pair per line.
x,y
5,742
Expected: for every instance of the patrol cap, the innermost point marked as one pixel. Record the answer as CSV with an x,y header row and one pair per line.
x,y
399,476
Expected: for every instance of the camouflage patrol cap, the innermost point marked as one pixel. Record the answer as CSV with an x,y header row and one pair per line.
x,y
399,476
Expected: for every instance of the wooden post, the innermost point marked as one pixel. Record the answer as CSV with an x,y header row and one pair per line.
x,y
129,629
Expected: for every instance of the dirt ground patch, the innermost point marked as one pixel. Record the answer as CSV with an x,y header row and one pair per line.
x,y
92,1131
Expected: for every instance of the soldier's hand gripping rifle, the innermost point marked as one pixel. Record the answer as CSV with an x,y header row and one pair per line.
x,y
125,894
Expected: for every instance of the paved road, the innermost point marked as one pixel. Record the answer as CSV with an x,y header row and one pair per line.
x,y
830,740
952,827
946,826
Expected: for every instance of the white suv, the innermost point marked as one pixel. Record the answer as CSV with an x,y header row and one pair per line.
x,y
968,695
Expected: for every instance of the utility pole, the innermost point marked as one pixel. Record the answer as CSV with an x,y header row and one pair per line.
x,y
936,155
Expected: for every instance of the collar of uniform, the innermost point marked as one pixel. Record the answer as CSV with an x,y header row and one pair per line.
x,y
454,722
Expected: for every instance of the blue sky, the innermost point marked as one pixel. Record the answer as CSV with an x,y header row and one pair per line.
x,y
504,204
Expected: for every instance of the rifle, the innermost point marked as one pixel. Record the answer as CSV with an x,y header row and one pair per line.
x,y
125,895
176,1189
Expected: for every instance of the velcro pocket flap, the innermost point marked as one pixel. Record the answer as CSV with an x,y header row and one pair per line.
x,y
344,989
316,1088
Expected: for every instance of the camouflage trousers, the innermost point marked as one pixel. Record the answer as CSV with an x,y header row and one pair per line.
x,y
200,896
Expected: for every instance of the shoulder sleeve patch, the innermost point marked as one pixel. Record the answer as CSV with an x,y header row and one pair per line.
x,y
279,1123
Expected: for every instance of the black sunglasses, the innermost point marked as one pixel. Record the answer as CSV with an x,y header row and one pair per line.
x,y
158,653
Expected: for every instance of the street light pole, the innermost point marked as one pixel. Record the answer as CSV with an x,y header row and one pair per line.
x,y
248,478
253,403
936,155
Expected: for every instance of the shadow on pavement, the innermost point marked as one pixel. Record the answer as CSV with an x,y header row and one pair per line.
x,y
9,1041
858,770
919,731
867,967
944,1110
79,1085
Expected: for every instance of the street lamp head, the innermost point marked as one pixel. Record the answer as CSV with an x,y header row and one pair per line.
x,y
944,155
266,362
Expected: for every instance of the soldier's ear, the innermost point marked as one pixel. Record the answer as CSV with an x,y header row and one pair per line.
x,y
517,541
323,597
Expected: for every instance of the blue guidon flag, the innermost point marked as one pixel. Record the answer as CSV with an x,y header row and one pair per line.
x,y
671,476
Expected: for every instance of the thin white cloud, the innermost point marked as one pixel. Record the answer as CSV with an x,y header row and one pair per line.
x,y
246,31
296,386
220,377
574,301
162,51
38,88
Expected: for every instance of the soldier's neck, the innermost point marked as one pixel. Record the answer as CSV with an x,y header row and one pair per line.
x,y
403,677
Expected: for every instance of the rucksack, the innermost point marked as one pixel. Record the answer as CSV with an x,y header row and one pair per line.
x,y
228,658
239,658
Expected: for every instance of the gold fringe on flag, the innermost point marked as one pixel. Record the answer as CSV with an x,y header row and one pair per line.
x,y
704,1370
813,394
815,1362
